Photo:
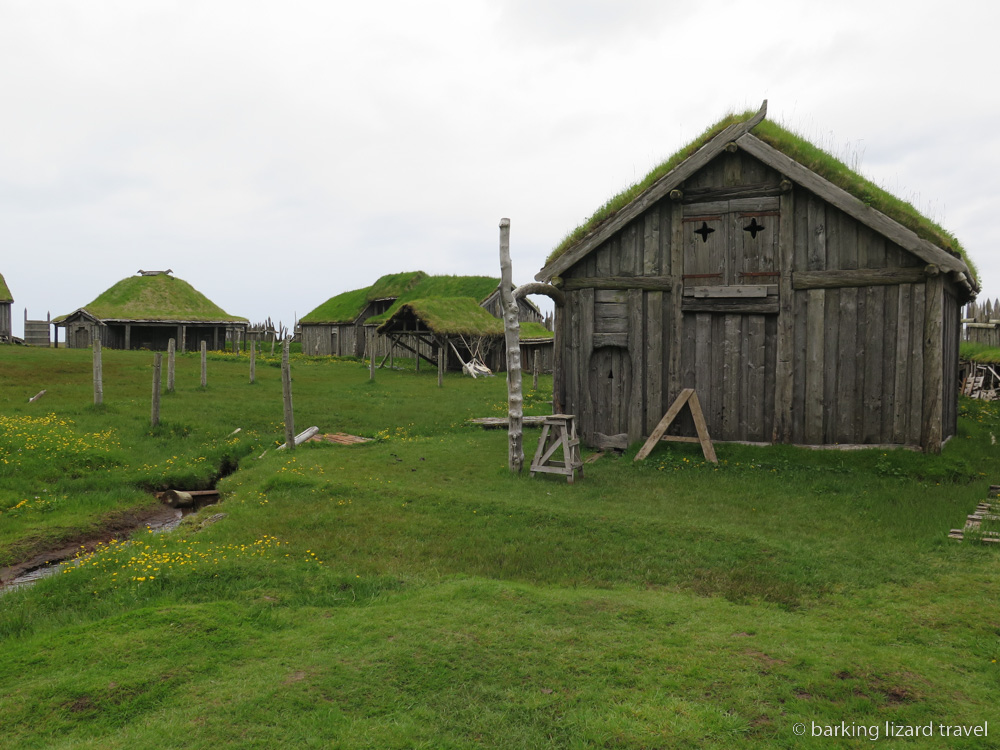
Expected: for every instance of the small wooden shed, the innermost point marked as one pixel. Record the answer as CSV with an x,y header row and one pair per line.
x,y
146,311
801,302
6,302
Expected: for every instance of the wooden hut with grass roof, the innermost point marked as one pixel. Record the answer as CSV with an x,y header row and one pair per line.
x,y
146,311
6,303
802,303
337,327
426,311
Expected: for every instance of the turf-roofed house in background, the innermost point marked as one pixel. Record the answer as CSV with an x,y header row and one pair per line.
x,y
464,314
802,303
146,311
6,302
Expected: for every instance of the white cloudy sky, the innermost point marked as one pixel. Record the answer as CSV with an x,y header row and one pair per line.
x,y
276,153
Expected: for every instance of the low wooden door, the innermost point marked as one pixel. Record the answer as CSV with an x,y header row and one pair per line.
x,y
610,389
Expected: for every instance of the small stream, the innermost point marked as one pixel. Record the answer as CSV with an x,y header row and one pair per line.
x,y
50,563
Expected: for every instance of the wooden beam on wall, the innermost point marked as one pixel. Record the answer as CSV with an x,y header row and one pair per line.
x,y
859,277
676,300
933,396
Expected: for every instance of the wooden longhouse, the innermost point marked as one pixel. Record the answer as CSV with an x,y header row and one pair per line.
x,y
6,302
413,313
798,312
146,311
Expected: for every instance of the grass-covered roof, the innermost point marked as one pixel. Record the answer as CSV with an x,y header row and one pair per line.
x,y
4,291
450,316
440,288
346,307
161,297
795,147
460,316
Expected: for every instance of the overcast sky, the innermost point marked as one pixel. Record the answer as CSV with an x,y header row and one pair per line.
x,y
274,154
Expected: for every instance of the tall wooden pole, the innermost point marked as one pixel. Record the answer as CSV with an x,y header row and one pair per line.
x,y
370,338
253,361
98,370
171,353
534,373
204,364
286,392
154,416
512,333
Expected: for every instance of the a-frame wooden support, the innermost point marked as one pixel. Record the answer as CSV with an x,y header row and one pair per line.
x,y
689,397
558,431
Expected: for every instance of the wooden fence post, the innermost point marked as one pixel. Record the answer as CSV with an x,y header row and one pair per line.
x,y
370,338
286,392
441,356
253,361
534,378
154,417
512,333
204,364
171,353
98,371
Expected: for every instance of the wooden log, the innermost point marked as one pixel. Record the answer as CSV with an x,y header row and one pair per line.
x,y
648,283
676,320
298,439
204,364
856,278
154,414
171,356
785,343
98,370
440,362
512,335
933,396
815,371
286,392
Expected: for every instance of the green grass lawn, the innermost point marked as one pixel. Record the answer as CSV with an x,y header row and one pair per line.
x,y
410,592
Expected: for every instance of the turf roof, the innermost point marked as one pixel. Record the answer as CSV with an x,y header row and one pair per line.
x,y
451,316
160,297
440,288
346,307
4,291
801,150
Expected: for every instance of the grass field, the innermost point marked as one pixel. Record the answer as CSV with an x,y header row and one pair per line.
x,y
411,593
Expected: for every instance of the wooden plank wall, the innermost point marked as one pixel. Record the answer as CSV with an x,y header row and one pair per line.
x,y
5,320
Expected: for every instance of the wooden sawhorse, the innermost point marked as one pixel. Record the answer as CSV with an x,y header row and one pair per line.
x,y
558,430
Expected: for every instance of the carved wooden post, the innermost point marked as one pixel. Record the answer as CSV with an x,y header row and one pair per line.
x,y
286,392
512,331
253,360
204,364
98,370
154,417
171,352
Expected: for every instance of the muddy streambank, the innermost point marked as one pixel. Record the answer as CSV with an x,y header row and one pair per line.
x,y
158,518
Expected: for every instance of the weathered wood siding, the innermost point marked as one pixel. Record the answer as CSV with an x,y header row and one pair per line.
x,y
792,320
5,320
